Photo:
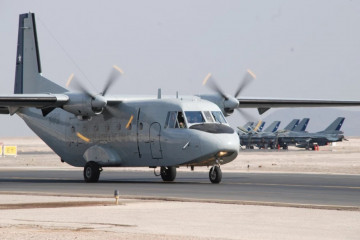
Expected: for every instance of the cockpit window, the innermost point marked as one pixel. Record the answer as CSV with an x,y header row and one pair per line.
x,y
194,117
208,116
218,116
175,120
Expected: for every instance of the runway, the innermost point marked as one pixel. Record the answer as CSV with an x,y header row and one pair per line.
x,y
259,188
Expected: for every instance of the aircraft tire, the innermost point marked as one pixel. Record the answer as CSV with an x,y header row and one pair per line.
x,y
91,172
168,174
216,175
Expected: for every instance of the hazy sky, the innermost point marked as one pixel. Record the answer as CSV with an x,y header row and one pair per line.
x,y
297,49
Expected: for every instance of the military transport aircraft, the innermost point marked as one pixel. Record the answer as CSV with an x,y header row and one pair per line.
x,y
95,131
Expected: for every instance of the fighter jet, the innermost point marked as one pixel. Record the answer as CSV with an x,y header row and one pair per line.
x,y
264,139
97,130
312,140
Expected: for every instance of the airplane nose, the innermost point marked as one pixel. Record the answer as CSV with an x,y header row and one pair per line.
x,y
222,146
230,143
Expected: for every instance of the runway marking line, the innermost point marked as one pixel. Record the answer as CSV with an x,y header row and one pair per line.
x,y
295,185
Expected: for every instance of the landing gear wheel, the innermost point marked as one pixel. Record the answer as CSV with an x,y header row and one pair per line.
x,y
215,174
168,174
91,172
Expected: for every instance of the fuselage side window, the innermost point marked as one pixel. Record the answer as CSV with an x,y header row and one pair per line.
x,y
181,120
208,116
194,117
172,119
219,117
175,119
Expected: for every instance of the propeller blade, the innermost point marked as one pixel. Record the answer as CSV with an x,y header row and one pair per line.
x,y
249,76
114,75
213,85
248,117
77,85
71,77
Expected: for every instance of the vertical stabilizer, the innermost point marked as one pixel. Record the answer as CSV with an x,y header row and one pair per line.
x,y
273,127
336,125
28,77
292,125
302,125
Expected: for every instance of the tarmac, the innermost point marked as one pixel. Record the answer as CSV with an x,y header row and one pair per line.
x,y
37,216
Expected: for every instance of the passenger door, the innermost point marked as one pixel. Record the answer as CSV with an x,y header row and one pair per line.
x,y
154,139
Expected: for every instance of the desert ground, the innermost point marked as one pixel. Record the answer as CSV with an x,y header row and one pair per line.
x,y
27,216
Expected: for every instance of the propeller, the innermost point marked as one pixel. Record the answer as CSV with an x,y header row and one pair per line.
x,y
98,101
249,76
211,83
230,102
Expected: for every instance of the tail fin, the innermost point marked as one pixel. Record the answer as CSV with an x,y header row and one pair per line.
x,y
273,127
292,125
261,126
302,125
248,126
335,125
28,77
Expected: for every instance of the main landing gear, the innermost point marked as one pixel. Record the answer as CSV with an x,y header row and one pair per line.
x,y
168,174
92,172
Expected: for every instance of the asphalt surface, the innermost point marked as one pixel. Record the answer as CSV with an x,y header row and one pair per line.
x,y
310,189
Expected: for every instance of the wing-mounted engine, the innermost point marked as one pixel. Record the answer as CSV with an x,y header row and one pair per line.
x,y
226,103
85,104
82,104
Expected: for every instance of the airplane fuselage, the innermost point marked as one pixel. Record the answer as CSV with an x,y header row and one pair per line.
x,y
139,135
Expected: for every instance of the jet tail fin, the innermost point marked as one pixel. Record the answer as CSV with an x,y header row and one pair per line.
x,y
273,127
335,125
302,125
292,125
28,77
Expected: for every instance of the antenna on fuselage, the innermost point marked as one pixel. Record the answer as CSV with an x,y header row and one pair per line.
x,y
159,93
177,94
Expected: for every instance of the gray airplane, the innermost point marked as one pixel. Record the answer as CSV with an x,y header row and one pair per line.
x,y
96,130
312,140
263,139
269,138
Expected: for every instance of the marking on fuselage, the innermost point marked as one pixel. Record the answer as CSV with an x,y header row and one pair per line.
x,y
82,137
130,120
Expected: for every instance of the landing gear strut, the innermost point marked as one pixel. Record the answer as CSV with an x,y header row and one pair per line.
x,y
168,174
92,172
215,174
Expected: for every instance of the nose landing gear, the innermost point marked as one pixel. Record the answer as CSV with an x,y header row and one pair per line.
x,y
215,174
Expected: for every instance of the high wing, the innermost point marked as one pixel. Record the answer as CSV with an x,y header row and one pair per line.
x,y
265,104
9,104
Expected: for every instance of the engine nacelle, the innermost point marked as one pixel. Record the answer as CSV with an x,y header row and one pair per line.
x,y
82,104
227,106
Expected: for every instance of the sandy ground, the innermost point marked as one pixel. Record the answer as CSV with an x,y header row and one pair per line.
x,y
59,217
343,158
168,220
